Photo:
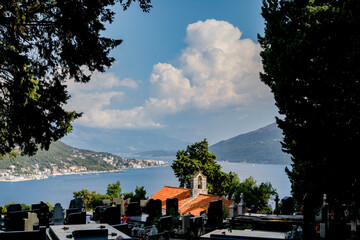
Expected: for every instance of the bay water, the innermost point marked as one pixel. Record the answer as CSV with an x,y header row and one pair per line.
x,y
59,189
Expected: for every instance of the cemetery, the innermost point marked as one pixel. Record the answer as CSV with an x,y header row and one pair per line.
x,y
160,219
147,220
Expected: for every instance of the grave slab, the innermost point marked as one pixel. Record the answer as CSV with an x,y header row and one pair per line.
x,y
62,232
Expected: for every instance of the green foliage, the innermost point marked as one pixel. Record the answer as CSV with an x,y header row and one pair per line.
x,y
311,54
44,43
25,207
61,154
91,199
254,194
114,190
196,158
140,194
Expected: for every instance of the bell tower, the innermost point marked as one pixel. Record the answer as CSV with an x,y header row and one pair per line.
x,y
198,184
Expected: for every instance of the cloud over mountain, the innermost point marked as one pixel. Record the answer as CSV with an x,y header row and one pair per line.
x,y
216,70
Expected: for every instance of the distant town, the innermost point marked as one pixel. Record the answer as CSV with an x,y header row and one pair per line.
x,y
15,173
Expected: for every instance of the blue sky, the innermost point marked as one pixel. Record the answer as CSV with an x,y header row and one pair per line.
x,y
189,69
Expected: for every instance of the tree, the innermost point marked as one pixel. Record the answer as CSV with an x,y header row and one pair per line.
x,y
140,194
114,189
196,158
43,43
254,194
311,54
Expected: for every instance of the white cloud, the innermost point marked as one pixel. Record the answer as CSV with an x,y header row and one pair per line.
x,y
217,70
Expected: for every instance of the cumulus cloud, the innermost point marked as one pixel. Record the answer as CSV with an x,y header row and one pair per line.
x,y
218,69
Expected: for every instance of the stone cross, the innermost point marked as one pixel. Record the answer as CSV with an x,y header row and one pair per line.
x,y
30,221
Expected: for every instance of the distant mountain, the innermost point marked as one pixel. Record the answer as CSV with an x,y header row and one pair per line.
x,y
62,156
122,142
260,146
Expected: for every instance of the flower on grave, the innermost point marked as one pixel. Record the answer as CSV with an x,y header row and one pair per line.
x,y
124,219
126,203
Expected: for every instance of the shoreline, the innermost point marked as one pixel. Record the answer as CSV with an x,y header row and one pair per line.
x,y
37,177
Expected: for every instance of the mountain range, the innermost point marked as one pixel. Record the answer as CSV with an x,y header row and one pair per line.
x,y
260,146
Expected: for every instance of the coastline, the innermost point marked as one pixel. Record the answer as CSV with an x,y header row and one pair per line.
x,y
41,177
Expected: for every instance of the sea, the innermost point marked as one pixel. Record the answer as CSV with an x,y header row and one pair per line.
x,y
60,188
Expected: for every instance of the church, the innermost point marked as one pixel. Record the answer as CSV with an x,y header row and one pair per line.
x,y
193,200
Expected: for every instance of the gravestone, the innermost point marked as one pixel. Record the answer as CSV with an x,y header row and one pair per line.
x,y
172,207
215,214
185,222
14,221
116,201
242,205
14,208
58,214
76,203
287,205
44,214
133,209
111,215
165,223
309,217
105,202
76,218
277,210
153,209
143,203
196,227
233,209
31,220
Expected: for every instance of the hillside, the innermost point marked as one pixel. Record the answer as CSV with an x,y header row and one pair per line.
x,y
260,146
64,158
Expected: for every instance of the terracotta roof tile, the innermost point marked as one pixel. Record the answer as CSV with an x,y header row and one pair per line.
x,y
187,204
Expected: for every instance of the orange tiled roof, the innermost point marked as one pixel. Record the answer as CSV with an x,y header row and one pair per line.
x,y
187,204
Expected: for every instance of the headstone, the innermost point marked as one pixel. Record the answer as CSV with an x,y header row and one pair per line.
x,y
196,227
324,225
172,207
76,218
353,216
105,202
277,210
154,207
14,208
76,203
215,214
111,215
31,220
116,201
233,209
287,205
165,223
309,217
44,214
143,203
242,205
14,221
58,214
133,209
185,223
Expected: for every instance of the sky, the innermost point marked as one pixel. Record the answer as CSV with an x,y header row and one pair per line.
x,y
189,69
